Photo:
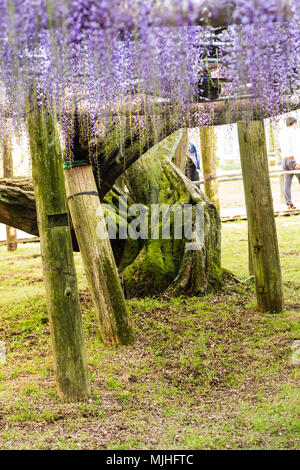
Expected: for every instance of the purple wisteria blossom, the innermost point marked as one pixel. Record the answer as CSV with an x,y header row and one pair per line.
x,y
97,52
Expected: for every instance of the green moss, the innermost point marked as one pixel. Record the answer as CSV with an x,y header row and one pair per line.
x,y
215,277
131,251
150,266
154,269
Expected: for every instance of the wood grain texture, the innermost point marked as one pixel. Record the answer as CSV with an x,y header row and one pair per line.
x,y
209,164
97,256
70,361
8,171
260,214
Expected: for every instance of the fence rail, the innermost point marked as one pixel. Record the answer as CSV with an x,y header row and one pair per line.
x,y
239,176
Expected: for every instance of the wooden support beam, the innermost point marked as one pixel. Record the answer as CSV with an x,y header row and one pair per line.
x,y
180,156
97,255
70,361
281,189
277,151
260,215
8,172
250,260
209,164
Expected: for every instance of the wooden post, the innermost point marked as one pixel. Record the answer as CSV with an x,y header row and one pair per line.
x,y
275,147
260,215
209,164
70,362
8,172
271,143
277,151
281,189
250,260
97,255
181,153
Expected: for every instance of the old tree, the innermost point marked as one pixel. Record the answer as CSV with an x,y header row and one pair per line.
x,y
109,91
145,176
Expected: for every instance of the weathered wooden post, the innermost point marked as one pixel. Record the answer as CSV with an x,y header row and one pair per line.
x,y
8,172
209,164
250,260
281,188
97,255
260,215
278,159
275,148
181,152
68,346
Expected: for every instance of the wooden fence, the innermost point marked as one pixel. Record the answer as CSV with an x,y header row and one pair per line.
x,y
238,176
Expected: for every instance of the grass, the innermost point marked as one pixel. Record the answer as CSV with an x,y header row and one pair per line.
x,y
289,241
203,373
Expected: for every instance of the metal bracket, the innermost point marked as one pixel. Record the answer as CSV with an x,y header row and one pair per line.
x,y
58,220
84,193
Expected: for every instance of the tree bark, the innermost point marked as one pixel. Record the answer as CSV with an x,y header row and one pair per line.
x,y
70,361
137,124
152,265
17,204
260,215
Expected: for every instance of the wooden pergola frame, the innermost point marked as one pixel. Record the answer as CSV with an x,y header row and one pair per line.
x,y
56,246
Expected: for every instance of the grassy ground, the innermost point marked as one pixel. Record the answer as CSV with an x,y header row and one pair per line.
x,y
204,373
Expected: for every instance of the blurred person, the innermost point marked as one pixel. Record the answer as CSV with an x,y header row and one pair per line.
x,y
193,167
289,140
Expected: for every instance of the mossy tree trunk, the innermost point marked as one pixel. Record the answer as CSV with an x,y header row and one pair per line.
x,y
151,266
70,361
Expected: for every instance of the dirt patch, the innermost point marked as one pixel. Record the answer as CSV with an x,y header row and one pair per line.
x,y
193,367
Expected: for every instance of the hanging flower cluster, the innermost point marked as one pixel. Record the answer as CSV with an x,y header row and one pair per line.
x,y
266,51
98,54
